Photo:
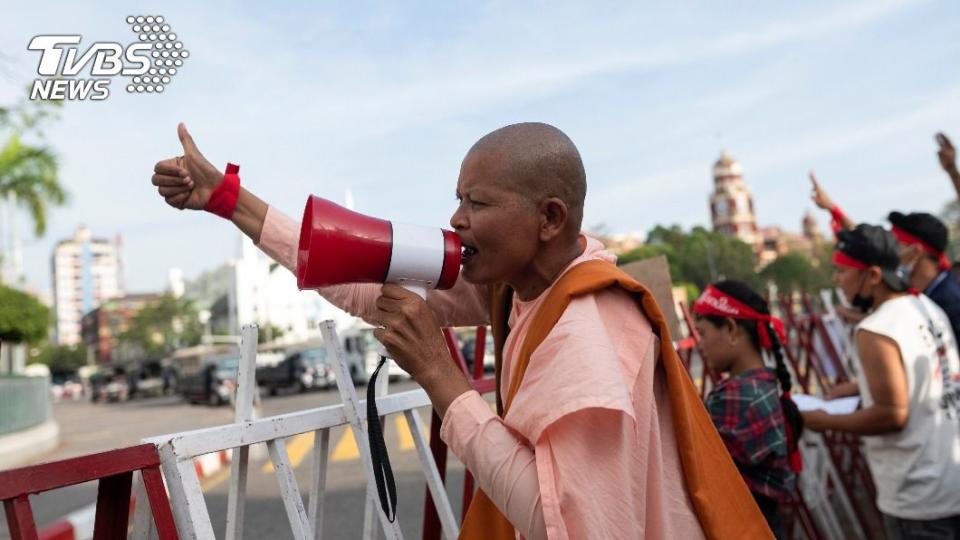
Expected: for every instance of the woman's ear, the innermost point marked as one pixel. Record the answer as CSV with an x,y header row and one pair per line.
x,y
730,326
553,218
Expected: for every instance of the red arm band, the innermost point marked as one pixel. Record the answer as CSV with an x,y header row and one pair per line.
x,y
224,197
837,215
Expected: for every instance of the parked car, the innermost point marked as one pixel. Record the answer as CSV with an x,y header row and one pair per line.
x,y
150,379
215,383
189,362
302,370
66,389
109,384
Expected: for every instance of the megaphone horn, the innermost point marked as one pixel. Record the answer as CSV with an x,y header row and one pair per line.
x,y
339,246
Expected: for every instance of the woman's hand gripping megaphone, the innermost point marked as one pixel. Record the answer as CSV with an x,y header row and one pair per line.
x,y
410,332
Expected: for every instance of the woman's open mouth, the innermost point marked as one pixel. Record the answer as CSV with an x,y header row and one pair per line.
x,y
467,253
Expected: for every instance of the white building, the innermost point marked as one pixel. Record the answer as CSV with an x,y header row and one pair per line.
x,y
254,289
86,271
731,204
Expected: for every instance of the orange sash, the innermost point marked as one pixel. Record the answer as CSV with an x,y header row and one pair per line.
x,y
720,498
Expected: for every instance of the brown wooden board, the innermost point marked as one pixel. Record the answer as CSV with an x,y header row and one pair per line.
x,y
654,273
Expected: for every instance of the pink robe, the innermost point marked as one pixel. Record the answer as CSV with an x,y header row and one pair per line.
x,y
588,448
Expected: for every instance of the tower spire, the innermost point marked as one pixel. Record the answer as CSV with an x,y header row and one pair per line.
x,y
731,204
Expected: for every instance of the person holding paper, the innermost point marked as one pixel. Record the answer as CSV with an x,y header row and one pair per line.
x,y
909,383
758,422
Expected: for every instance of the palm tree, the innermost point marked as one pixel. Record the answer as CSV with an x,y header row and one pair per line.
x,y
28,178
28,175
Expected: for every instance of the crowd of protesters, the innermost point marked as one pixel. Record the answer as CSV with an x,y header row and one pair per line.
x,y
901,298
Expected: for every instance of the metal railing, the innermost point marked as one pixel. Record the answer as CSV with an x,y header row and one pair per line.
x,y
113,470
178,450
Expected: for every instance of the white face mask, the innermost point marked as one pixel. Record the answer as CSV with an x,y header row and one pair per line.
x,y
905,270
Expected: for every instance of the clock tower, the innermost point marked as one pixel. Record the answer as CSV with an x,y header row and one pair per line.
x,y
731,204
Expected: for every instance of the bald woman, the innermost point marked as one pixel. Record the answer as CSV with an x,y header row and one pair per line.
x,y
587,444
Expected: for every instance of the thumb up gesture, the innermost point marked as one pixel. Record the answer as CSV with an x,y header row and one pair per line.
x,y
186,181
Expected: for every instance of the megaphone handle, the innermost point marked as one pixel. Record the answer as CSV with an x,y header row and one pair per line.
x,y
415,287
420,290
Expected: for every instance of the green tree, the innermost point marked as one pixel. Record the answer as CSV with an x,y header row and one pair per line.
x,y
655,250
63,360
163,326
29,172
268,332
29,116
648,252
795,272
700,257
23,319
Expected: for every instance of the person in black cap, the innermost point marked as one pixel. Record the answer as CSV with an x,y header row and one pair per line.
x,y
923,262
908,375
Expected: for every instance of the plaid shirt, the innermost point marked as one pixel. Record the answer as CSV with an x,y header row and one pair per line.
x,y
746,410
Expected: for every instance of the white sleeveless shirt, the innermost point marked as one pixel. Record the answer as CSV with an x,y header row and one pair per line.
x,y
917,470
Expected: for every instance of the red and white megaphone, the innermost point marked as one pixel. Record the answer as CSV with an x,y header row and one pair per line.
x,y
338,246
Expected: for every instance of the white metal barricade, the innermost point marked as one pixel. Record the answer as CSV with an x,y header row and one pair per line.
x,y
839,331
178,450
819,473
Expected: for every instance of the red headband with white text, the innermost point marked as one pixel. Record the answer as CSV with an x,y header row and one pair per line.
x,y
713,301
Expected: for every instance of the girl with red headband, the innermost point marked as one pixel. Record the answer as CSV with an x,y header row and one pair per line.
x,y
758,422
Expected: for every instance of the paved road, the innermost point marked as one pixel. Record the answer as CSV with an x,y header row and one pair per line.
x,y
87,428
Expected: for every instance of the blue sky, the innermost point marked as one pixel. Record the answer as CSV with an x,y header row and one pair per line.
x,y
385,99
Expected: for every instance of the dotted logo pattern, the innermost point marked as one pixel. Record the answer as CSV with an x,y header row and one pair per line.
x,y
168,53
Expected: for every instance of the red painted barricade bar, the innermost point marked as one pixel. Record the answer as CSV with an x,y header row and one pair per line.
x,y
114,470
431,521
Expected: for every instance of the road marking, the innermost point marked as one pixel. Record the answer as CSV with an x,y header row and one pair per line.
x,y
403,432
297,449
346,448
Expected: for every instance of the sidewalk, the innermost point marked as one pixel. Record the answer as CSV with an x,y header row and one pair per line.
x,y
26,446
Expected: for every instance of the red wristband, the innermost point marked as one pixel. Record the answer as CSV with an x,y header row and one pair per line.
x,y
223,200
836,221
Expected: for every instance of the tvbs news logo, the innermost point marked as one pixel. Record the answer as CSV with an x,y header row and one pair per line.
x,y
148,64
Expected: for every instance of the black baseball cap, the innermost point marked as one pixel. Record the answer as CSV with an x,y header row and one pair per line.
x,y
872,245
925,227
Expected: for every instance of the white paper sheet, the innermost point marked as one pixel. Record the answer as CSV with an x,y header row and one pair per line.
x,y
834,406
